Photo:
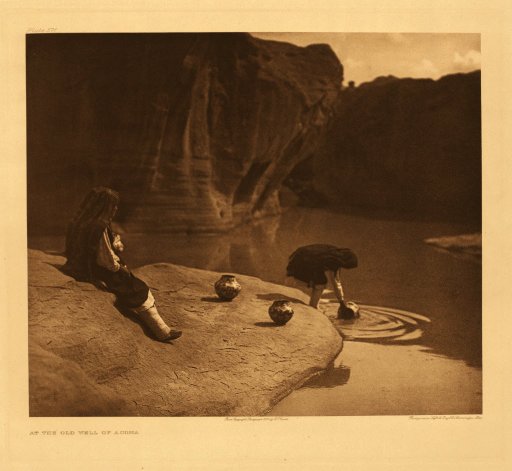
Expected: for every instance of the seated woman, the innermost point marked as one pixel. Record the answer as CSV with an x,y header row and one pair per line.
x,y
317,264
92,252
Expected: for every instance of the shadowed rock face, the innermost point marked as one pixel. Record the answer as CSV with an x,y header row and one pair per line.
x,y
196,131
408,145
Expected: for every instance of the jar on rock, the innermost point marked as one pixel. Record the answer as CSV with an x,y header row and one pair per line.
x,y
227,287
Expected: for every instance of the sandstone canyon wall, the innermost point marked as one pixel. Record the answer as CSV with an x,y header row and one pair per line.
x,y
409,145
196,131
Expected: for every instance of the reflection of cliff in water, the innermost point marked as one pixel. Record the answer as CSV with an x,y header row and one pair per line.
x,y
330,378
239,251
397,268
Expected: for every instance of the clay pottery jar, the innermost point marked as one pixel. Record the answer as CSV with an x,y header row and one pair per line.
x,y
227,287
351,311
281,311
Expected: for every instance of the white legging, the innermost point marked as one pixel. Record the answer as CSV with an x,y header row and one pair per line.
x,y
148,313
147,304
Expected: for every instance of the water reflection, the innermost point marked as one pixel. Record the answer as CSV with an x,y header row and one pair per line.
x,y
397,268
330,378
248,250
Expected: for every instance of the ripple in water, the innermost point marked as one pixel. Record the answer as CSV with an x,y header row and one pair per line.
x,y
382,324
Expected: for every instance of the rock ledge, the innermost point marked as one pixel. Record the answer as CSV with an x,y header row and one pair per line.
x,y
89,359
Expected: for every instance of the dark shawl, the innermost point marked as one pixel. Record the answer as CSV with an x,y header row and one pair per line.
x,y
309,263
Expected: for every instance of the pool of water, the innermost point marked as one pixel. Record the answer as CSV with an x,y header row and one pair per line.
x,y
382,324
419,305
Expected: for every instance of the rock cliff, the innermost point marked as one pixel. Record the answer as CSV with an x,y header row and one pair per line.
x,y
196,131
86,358
413,146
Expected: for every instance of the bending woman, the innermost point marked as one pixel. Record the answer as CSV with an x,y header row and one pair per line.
x,y
318,264
93,254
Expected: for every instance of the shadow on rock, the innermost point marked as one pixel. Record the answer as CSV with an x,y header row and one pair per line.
x,y
62,268
267,324
60,253
214,299
277,296
133,317
58,266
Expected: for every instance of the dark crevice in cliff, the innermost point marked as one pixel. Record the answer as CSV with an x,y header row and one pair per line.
x,y
248,183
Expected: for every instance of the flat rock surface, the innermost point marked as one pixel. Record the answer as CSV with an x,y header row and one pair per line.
x,y
231,360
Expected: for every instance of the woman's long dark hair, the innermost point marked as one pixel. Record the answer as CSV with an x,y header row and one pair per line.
x,y
85,229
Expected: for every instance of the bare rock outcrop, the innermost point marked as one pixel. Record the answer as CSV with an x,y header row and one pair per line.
x,y
197,131
407,145
87,358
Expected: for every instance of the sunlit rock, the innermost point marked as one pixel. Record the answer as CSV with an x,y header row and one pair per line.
x,y
231,359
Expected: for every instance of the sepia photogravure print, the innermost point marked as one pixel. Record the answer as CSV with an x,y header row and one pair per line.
x,y
254,224
248,235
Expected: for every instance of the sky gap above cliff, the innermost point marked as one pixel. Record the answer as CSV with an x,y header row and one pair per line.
x,y
366,56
